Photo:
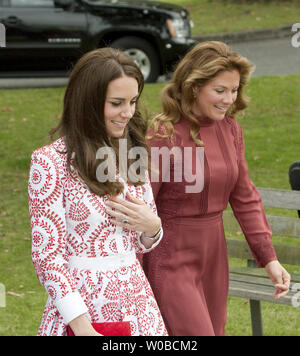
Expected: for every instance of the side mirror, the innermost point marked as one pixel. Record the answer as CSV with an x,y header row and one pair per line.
x,y
294,176
63,3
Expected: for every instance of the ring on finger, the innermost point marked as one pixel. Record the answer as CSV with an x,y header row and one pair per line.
x,y
125,221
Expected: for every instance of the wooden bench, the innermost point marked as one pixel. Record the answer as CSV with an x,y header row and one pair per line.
x,y
253,283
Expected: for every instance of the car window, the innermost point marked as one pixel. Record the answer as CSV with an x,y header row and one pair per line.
x,y
32,3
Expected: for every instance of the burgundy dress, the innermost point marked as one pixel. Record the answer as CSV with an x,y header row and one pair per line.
x,y
188,271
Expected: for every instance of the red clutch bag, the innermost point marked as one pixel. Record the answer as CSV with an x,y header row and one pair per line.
x,y
121,328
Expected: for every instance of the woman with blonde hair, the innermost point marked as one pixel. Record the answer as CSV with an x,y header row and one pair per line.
x,y
188,271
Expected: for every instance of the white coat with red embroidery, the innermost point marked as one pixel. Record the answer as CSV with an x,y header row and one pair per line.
x,y
67,222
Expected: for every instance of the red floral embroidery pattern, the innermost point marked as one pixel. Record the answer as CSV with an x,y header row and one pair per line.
x,y
111,312
79,212
82,228
111,291
67,220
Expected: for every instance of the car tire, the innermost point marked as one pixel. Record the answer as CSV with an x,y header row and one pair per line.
x,y
144,55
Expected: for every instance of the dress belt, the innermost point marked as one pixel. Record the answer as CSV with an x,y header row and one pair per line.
x,y
103,264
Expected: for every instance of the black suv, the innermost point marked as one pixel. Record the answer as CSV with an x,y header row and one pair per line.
x,y
48,36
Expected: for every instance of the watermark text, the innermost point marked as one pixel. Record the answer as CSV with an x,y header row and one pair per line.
x,y
2,296
296,37
296,296
176,164
2,35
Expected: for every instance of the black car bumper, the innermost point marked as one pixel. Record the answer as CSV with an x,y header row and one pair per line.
x,y
174,50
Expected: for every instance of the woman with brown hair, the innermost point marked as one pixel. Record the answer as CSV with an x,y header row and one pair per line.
x,y
84,241
188,271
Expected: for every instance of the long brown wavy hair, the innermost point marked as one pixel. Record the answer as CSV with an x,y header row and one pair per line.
x,y
82,124
199,66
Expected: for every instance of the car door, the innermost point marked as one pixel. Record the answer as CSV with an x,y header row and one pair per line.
x,y
41,35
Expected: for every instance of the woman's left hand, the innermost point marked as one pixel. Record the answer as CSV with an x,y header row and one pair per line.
x,y
133,214
280,278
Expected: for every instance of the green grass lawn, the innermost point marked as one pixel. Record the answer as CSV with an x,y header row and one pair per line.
x,y
213,16
271,128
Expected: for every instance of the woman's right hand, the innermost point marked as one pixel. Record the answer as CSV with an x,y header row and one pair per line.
x,y
94,333
81,326
138,216
280,278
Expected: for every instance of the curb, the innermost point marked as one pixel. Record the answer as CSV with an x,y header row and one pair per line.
x,y
24,83
253,35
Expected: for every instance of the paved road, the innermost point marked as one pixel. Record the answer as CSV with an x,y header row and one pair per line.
x,y
271,57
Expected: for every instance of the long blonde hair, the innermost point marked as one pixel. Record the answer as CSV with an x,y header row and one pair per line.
x,y
200,65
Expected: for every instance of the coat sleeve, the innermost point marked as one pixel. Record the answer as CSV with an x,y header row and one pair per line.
x,y
49,231
248,209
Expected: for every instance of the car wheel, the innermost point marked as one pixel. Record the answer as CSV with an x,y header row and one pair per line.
x,y
142,53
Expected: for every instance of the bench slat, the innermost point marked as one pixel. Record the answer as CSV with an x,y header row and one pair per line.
x,y
278,198
258,281
261,281
286,254
238,249
280,225
259,272
257,292
284,226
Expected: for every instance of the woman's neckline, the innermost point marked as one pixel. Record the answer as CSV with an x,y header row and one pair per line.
x,y
204,121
